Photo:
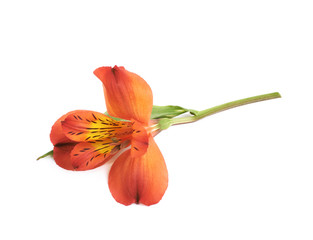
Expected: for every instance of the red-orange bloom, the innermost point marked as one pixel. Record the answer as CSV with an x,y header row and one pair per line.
x,y
85,140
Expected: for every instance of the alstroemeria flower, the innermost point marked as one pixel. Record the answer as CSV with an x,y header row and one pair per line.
x,y
85,140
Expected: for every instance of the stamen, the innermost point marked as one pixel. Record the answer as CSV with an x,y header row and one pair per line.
x,y
125,143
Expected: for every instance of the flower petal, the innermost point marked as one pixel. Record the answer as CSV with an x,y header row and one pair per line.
x,y
139,141
139,180
127,95
62,155
86,156
89,126
56,135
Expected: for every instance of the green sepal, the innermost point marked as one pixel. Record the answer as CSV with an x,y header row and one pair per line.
x,y
169,111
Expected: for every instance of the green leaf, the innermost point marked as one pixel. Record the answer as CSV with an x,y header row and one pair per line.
x,y
114,118
50,153
169,111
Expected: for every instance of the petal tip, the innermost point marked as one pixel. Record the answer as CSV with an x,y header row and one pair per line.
x,y
102,72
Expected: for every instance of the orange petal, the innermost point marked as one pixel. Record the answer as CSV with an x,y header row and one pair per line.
x,y
139,141
56,135
89,126
62,155
139,180
87,155
127,95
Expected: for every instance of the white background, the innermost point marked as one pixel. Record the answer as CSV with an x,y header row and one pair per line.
x,y
242,174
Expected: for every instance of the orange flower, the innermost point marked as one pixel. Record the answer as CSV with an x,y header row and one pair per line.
x,y
85,140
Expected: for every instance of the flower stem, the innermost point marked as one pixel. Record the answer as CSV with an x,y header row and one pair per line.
x,y
50,153
210,111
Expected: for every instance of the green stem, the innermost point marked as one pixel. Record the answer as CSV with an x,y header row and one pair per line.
x,y
46,155
223,107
